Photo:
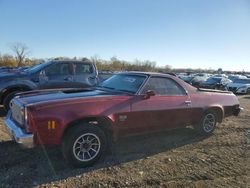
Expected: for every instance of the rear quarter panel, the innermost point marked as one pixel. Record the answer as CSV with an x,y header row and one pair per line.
x,y
202,101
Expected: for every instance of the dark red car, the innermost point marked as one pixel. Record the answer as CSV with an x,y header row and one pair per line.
x,y
83,121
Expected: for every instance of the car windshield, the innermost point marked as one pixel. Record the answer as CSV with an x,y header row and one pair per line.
x,y
242,81
213,80
124,82
37,67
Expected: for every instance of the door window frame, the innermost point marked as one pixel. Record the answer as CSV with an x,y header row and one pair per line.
x,y
55,64
185,92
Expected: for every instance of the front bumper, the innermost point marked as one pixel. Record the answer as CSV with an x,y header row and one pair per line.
x,y
17,134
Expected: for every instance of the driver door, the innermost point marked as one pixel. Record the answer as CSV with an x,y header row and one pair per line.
x,y
169,108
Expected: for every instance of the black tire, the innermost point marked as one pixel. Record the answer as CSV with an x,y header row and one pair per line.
x,y
208,123
76,148
7,99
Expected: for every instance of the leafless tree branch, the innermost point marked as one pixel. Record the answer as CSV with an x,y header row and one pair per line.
x,y
21,51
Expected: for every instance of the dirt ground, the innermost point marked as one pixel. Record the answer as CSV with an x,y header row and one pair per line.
x,y
177,158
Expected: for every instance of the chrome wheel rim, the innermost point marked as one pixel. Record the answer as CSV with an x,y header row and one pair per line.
x,y
209,122
86,147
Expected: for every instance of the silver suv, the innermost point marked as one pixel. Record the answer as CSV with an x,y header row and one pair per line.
x,y
48,75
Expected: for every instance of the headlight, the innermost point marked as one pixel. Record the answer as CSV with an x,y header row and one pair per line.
x,y
24,115
26,120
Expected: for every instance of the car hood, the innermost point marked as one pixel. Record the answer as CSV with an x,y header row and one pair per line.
x,y
40,96
12,75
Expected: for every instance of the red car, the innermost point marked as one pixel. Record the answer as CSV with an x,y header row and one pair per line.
x,y
83,121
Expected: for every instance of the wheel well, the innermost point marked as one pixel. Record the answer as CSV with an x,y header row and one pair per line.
x,y
218,111
12,89
102,122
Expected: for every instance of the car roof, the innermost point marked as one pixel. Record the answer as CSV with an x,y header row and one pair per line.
x,y
148,73
73,61
186,86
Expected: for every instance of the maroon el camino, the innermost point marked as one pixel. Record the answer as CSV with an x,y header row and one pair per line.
x,y
84,121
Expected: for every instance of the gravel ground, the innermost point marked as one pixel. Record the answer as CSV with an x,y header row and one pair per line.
x,y
178,158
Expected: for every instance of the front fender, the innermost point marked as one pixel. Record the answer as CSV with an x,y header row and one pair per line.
x,y
18,83
15,84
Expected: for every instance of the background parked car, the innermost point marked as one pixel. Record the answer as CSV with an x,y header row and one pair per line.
x,y
233,77
104,75
194,79
5,69
187,79
215,83
48,75
240,86
198,79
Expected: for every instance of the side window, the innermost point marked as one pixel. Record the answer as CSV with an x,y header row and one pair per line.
x,y
58,69
164,86
83,68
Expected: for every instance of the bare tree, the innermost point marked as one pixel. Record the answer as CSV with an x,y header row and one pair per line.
x,y
21,52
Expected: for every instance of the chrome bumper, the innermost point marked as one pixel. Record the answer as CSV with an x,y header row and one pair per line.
x,y
17,134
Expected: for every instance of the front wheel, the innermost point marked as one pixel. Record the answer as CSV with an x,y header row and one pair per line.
x,y
208,123
7,99
84,145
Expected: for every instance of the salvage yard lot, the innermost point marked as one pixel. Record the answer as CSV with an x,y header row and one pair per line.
x,y
178,158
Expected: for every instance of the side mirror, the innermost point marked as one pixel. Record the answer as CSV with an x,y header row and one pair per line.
x,y
148,94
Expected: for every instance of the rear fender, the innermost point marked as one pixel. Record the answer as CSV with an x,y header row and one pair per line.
x,y
219,110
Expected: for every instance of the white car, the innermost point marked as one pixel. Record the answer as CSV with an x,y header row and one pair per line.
x,y
239,86
236,76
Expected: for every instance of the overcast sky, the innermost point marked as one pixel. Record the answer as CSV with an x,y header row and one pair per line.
x,y
180,33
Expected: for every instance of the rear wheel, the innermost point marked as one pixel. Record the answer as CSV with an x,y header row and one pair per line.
x,y
7,99
208,123
84,145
